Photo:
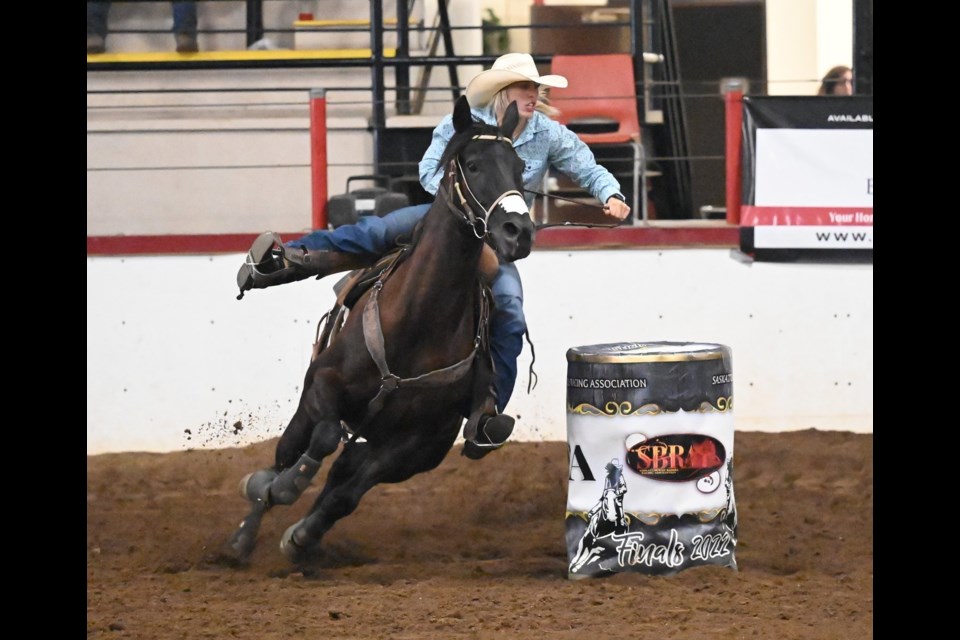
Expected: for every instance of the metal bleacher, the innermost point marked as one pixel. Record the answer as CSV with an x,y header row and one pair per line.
x,y
267,35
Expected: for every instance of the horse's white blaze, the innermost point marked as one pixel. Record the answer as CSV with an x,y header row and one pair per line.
x,y
515,204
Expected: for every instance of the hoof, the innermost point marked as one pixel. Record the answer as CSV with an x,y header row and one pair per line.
x,y
256,486
244,539
239,548
294,551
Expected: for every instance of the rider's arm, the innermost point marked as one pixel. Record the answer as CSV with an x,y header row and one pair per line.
x,y
569,154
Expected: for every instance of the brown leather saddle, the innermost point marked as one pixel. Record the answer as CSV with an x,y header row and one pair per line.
x,y
352,286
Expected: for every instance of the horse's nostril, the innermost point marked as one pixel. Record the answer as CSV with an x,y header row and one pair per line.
x,y
511,230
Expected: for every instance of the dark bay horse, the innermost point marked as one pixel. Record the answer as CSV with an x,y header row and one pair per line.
x,y
409,362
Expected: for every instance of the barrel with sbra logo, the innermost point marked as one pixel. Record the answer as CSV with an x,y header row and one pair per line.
x,y
650,435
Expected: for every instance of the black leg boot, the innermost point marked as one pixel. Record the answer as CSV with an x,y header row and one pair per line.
x,y
269,263
292,482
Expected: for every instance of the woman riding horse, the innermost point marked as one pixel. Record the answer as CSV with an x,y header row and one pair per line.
x,y
540,142
410,359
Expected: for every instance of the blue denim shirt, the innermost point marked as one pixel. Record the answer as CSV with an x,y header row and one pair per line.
x,y
544,143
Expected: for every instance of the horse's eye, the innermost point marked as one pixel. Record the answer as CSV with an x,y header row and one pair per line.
x,y
471,165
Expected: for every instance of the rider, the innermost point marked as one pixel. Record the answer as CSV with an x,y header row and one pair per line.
x,y
540,142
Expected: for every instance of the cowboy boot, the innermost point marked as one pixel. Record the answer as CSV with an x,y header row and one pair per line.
x,y
269,263
486,430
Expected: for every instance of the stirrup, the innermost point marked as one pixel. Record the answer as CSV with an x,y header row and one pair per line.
x,y
491,435
266,249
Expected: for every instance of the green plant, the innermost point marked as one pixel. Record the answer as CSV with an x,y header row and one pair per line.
x,y
496,39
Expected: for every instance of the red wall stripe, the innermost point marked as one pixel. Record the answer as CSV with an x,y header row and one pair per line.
x,y
719,236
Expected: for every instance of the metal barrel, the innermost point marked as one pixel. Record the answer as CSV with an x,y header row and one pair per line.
x,y
650,435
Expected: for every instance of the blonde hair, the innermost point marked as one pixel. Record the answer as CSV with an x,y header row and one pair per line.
x,y
500,105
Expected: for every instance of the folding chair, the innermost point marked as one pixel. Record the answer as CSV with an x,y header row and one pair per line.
x,y
602,88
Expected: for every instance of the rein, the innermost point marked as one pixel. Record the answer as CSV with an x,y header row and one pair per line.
x,y
545,225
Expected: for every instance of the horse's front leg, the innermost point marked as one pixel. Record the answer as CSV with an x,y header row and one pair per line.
x,y
360,467
313,433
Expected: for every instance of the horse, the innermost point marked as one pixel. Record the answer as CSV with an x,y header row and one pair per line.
x,y
409,361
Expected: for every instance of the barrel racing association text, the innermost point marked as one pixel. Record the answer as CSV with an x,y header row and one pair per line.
x,y
607,383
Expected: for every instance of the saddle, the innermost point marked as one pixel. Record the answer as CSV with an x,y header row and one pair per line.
x,y
348,290
352,286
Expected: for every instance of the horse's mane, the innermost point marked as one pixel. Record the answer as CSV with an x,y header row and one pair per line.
x,y
460,139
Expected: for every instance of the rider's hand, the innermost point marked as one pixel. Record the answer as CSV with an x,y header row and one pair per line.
x,y
617,208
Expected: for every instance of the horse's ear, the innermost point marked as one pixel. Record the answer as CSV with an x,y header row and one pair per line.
x,y
511,117
462,118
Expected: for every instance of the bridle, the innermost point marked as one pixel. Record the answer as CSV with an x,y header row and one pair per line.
x,y
466,209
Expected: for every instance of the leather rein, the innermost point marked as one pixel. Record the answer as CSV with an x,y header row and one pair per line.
x,y
545,225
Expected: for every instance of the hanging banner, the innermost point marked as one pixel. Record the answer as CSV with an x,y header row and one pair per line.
x,y
807,178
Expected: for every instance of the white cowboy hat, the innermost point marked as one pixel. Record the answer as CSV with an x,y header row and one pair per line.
x,y
507,69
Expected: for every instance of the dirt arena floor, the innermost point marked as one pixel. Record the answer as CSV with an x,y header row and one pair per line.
x,y
475,549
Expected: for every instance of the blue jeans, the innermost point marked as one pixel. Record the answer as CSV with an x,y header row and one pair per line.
x,y
184,18
376,235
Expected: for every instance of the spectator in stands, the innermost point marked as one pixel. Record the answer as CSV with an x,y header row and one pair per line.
x,y
184,26
837,82
540,142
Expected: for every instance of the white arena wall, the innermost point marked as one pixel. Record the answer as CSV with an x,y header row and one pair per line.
x,y
176,362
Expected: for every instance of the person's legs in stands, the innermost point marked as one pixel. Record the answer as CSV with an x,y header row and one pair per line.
x,y
97,26
185,26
